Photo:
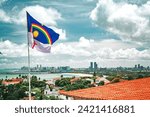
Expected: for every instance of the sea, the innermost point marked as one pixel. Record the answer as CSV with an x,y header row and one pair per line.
x,y
8,74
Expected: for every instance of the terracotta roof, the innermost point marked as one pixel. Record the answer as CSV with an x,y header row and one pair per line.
x,y
74,79
12,81
127,90
98,79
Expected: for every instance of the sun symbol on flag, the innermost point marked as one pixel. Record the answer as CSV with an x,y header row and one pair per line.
x,y
35,34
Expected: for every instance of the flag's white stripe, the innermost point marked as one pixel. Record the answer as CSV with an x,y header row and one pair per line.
x,y
42,47
46,48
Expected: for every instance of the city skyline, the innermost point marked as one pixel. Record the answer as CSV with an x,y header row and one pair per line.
x,y
111,38
91,66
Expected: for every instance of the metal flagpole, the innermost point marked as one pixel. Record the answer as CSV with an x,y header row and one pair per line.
x,y
29,71
29,79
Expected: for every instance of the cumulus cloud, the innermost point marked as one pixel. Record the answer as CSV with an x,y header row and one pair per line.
x,y
71,49
61,32
10,49
83,42
106,49
129,54
74,53
129,21
47,16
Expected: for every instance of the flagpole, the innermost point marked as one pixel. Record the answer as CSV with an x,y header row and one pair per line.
x,y
29,71
29,79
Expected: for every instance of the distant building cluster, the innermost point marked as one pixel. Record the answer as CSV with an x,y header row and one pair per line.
x,y
93,67
39,68
140,67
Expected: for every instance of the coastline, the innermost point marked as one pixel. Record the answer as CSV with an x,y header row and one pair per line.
x,y
44,75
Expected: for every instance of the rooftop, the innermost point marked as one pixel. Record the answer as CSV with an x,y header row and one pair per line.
x,y
12,81
127,90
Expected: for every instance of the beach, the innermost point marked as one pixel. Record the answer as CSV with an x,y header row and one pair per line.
x,y
46,76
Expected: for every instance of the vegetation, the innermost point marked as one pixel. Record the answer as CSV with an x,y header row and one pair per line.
x,y
12,92
79,84
115,80
18,91
101,83
94,74
110,78
63,82
130,77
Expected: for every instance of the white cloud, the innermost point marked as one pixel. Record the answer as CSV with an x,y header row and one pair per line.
x,y
74,54
83,42
70,49
107,49
4,17
129,21
10,49
61,32
47,16
129,54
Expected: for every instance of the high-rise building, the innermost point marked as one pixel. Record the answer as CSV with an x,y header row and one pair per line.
x,y
37,66
135,67
95,66
91,66
40,66
139,66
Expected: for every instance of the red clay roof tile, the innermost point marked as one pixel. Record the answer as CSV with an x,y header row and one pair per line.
x,y
129,90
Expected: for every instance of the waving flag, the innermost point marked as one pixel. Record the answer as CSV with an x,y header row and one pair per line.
x,y
40,36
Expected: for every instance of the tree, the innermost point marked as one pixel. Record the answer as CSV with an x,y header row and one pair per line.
x,y
101,83
94,74
130,77
79,84
19,75
94,79
140,76
61,76
62,82
10,88
33,78
110,78
39,78
11,97
115,80
1,82
57,82
21,93
41,97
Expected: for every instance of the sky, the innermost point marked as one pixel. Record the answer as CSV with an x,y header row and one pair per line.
x,y
112,33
